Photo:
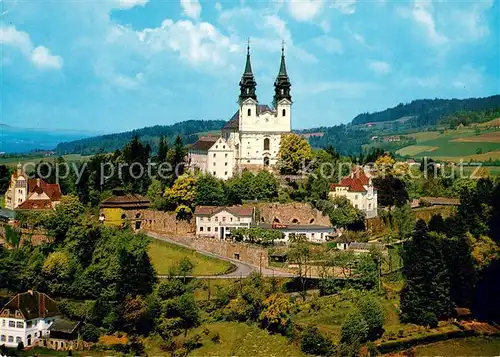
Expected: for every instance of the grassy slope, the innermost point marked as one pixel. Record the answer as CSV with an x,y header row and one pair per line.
x,y
13,161
472,346
164,256
239,339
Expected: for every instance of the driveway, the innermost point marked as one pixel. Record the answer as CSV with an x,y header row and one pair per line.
x,y
242,269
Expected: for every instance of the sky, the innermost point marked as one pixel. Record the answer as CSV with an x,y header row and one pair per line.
x,y
115,65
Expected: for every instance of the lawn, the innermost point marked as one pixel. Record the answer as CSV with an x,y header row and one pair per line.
x,y
164,256
416,149
425,135
471,346
239,339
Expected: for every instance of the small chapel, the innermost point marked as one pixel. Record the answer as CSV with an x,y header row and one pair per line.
x,y
251,138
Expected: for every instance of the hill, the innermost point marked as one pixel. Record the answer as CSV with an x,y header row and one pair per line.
x,y
428,111
188,130
21,140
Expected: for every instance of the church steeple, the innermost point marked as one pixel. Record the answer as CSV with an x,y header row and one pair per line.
x,y
282,83
247,82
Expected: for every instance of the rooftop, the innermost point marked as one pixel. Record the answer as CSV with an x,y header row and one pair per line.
x,y
234,210
31,304
120,199
234,122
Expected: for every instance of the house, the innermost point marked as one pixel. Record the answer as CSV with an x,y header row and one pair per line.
x,y
313,232
26,318
26,193
359,190
218,221
122,208
251,138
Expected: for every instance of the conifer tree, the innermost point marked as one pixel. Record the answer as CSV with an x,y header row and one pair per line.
x,y
426,294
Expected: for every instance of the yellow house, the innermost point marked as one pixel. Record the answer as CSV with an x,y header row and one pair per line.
x,y
123,208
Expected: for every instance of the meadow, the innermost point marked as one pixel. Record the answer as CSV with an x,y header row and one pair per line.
x,y
471,346
23,159
165,256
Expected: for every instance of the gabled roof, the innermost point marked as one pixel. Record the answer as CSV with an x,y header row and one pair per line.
x,y
53,190
35,204
355,182
32,304
204,143
234,210
64,326
234,122
125,200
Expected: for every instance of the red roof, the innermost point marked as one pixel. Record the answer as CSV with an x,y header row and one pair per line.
x,y
355,182
35,204
53,190
234,210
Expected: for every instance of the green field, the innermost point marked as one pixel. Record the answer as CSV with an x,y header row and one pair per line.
x,y
441,146
13,161
471,346
165,256
239,339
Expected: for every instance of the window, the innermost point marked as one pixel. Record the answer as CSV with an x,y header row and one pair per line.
x,y
12,324
239,219
209,219
18,339
216,219
20,325
201,229
283,113
266,143
215,173
369,206
216,146
11,339
2,338
224,146
249,112
214,154
356,206
223,219
356,197
209,229
282,91
214,163
225,173
225,164
225,155
312,235
216,229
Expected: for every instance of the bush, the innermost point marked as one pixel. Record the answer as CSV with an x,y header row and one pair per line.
x,y
90,333
314,343
193,343
215,338
430,319
373,314
354,329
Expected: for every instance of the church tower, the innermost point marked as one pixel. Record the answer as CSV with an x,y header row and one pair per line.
x,y
247,82
282,100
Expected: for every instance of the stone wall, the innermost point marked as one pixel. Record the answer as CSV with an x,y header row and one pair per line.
x,y
63,345
288,213
165,222
36,236
251,254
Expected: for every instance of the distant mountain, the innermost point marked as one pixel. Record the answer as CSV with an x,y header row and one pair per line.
x,y
425,112
189,131
22,140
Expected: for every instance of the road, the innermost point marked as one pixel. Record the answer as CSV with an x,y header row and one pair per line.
x,y
242,269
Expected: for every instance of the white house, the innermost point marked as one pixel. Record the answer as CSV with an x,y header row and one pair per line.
x,y
313,232
251,139
31,194
217,222
26,318
358,189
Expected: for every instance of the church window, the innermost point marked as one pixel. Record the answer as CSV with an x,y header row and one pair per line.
x,y
214,173
283,112
266,161
266,143
225,164
249,112
282,91
225,173
216,146
225,155
214,163
223,146
214,155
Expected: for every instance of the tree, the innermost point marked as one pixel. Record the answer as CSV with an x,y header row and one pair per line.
x,y
4,178
299,254
276,315
155,190
58,271
294,154
161,155
63,217
425,296
405,221
188,312
177,157
373,314
313,342
342,213
209,191
134,173
354,330
185,268
183,191
391,191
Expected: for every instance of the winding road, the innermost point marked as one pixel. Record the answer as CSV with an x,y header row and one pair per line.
x,y
242,269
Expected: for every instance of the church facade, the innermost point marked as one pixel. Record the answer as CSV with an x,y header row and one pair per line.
x,y
251,138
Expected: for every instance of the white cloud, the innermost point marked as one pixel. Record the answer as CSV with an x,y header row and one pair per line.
x,y
197,43
468,23
128,4
304,10
379,67
347,7
40,56
192,8
468,78
329,44
422,14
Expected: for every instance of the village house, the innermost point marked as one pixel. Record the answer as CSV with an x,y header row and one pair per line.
x,y
313,232
26,318
251,138
359,190
26,193
218,221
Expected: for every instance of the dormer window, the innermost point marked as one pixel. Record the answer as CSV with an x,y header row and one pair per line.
x,y
249,112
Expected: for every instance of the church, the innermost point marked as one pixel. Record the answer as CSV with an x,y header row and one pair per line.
x,y
251,139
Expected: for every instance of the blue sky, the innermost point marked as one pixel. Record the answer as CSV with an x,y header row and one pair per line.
x,y
115,65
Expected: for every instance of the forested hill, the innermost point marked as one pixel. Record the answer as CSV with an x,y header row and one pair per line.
x,y
428,111
189,131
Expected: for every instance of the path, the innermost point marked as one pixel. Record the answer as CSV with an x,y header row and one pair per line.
x,y
242,269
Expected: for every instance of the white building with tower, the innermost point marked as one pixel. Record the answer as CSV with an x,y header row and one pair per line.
x,y
251,138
